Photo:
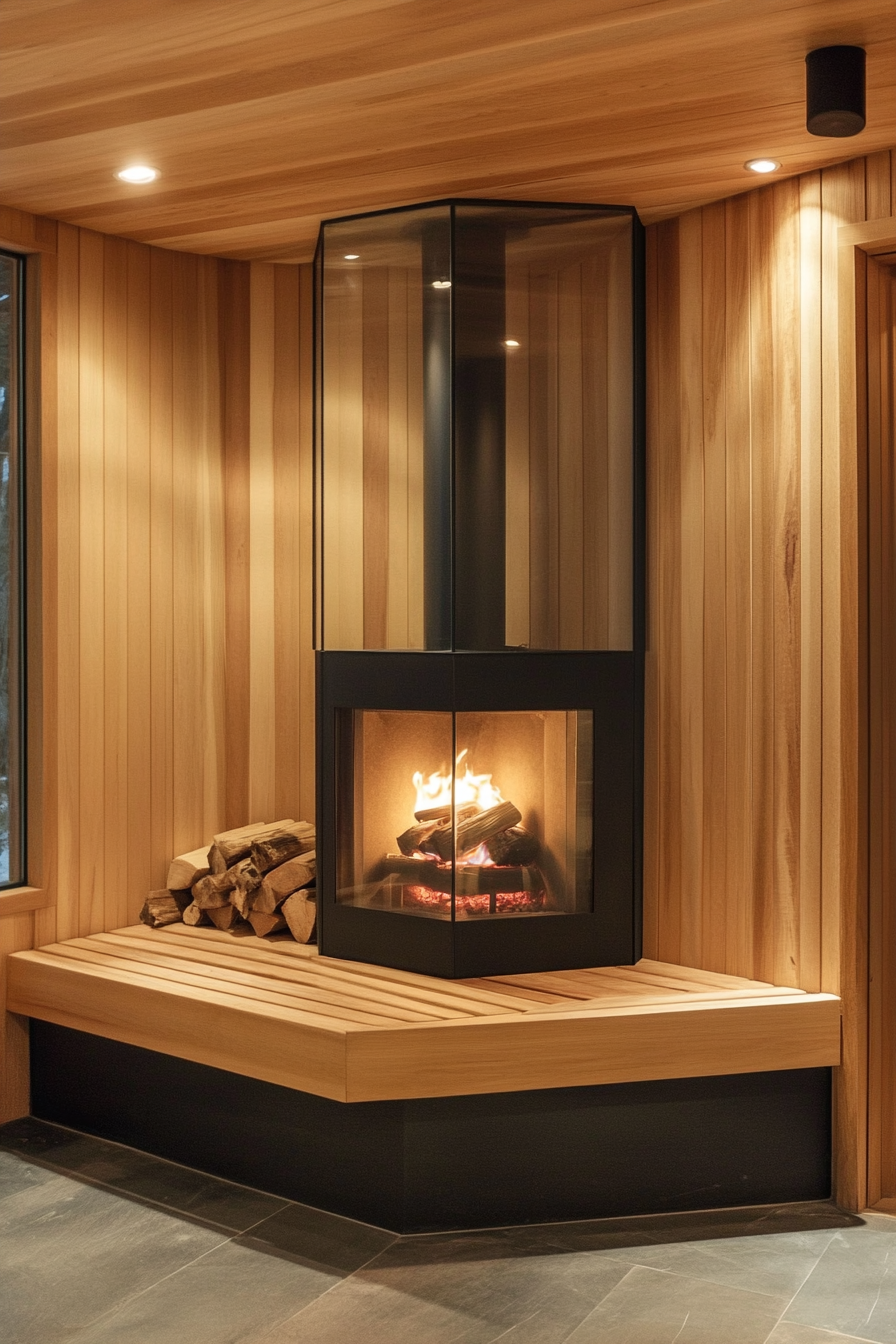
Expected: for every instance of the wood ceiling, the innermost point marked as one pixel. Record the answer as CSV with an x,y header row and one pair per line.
x,y
265,115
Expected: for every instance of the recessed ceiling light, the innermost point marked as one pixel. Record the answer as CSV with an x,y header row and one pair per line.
x,y
441,284
762,165
352,256
511,344
138,174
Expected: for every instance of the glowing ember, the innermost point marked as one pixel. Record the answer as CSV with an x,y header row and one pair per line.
x,y
505,902
435,790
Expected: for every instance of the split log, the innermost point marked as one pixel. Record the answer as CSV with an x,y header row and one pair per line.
x,y
228,846
161,908
264,924
245,881
193,915
187,869
225,917
515,846
283,881
476,830
212,892
271,851
300,913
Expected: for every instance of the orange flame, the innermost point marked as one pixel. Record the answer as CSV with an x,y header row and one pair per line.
x,y
435,790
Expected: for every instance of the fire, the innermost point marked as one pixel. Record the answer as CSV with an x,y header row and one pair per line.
x,y
435,790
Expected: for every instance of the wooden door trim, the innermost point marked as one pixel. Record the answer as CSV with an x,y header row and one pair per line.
x,y
856,242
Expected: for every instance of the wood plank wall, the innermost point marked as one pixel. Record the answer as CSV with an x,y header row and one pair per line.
x,y
744,812
176,537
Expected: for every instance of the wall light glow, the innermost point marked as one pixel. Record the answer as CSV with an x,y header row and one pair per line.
x,y
762,165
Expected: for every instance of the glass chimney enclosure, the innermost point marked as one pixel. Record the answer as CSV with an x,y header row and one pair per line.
x,y
479,595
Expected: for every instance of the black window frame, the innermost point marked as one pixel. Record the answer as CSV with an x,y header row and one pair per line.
x,y
17,782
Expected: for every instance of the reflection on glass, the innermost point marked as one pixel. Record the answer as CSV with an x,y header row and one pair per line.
x,y
10,576
465,816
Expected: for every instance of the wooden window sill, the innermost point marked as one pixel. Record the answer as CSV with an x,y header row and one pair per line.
x,y
17,900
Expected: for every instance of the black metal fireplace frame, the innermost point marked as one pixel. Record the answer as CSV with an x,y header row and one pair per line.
x,y
604,683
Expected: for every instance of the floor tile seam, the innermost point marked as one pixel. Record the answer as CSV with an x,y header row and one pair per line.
x,y
808,1276
698,1278
150,1287
340,1283
597,1305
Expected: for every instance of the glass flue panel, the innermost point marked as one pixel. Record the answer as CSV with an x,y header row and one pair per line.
x,y
476,429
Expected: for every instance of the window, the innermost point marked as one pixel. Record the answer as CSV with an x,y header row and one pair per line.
x,y
12,820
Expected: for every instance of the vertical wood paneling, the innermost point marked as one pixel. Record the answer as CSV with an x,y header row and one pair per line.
x,y
714,833
91,653
262,680
115,581
811,700
292,545
139,636
161,558
182,631
692,576
749,700
738,913
234,318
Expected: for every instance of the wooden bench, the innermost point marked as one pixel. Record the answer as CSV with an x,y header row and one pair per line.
x,y
278,1011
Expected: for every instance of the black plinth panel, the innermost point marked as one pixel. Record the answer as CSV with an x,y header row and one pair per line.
x,y
454,1162
604,928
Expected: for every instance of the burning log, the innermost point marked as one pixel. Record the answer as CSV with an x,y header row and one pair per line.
x,y
300,913
187,869
163,907
283,881
434,820
477,829
417,837
513,846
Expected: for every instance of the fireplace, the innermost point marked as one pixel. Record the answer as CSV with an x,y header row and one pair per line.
x,y
479,587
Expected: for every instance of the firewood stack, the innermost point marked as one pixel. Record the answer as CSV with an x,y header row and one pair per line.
x,y
259,876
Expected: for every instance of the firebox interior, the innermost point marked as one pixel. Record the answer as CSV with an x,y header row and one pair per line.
x,y
452,841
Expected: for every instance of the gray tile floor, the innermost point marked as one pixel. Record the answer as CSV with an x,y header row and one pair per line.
x,y
100,1244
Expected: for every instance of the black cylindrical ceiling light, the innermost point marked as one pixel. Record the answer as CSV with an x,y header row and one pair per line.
x,y
835,91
